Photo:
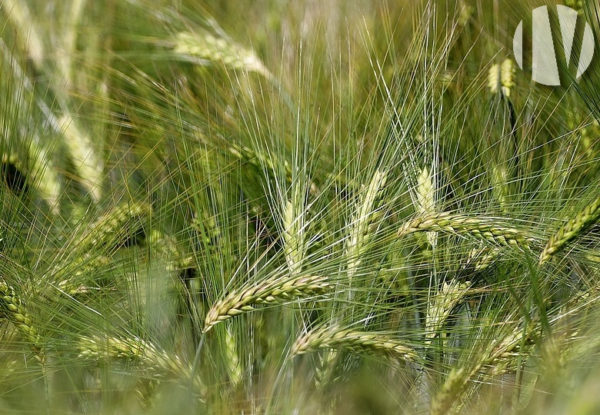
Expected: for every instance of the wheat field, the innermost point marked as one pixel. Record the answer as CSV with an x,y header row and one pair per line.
x,y
296,207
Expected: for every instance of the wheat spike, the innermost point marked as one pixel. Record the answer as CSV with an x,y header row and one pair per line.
x,y
18,13
85,157
440,307
501,77
233,361
114,222
499,189
167,247
43,174
481,258
206,47
497,357
426,199
136,349
14,310
467,226
360,341
452,387
571,230
363,216
269,291
293,230
80,268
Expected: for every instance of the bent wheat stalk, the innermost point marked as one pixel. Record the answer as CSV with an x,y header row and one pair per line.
x,y
571,230
270,291
359,341
467,226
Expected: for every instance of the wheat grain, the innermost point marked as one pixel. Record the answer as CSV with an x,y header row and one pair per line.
x,y
571,230
360,341
467,226
269,291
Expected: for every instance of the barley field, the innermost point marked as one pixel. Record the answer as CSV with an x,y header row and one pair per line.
x,y
298,207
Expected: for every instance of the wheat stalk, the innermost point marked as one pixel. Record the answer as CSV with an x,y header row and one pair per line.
x,y
269,291
360,341
467,226
571,230
14,310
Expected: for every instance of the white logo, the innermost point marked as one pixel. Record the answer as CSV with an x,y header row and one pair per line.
x,y
544,66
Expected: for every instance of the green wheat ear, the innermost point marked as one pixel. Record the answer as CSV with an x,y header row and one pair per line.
x,y
86,159
359,341
459,224
204,47
571,230
441,305
15,311
41,174
116,225
135,349
267,292
501,77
